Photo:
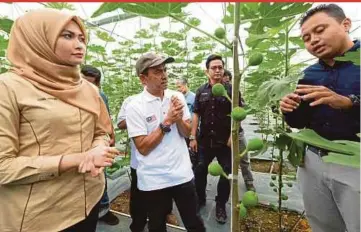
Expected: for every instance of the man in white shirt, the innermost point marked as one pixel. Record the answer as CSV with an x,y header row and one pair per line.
x,y
158,121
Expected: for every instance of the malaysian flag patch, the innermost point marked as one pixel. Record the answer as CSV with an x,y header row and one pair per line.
x,y
151,119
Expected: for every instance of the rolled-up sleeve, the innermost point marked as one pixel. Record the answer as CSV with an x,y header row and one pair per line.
x,y
15,169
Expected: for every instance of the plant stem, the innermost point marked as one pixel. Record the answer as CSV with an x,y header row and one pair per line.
x,y
235,124
200,30
243,153
280,191
298,221
281,150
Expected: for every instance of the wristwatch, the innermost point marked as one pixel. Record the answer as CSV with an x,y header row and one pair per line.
x,y
164,128
354,99
192,137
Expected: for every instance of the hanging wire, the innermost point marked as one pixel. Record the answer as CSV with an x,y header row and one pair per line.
x,y
82,8
17,8
205,12
111,34
358,27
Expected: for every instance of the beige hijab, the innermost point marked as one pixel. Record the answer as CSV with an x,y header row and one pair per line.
x,y
31,51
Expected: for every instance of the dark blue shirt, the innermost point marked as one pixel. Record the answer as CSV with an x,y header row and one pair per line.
x,y
333,124
105,99
214,115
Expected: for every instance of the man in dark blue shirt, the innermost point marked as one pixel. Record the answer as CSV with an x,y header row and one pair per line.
x,y
327,100
212,115
93,75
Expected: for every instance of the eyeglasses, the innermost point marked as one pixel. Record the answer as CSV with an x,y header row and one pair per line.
x,y
214,68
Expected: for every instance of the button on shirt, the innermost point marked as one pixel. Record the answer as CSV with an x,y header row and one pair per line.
x,y
333,124
214,114
168,164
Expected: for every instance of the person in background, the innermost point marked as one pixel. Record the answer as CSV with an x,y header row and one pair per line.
x,y
245,161
327,100
136,202
93,75
54,129
212,115
227,77
182,86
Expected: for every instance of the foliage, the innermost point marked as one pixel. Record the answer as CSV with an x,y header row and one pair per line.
x,y
59,5
153,10
340,152
353,56
6,24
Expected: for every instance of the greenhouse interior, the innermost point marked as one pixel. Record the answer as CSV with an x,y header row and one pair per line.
x,y
264,46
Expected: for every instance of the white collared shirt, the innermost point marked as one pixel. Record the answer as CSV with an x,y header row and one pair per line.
x,y
168,164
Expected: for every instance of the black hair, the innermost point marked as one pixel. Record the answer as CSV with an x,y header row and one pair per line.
x,y
228,73
331,10
213,57
91,71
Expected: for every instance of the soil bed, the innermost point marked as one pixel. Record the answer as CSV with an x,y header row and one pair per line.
x,y
264,166
264,219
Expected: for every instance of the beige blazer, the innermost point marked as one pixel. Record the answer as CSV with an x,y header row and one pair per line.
x,y
36,129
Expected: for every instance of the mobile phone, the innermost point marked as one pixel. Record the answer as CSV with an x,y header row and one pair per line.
x,y
304,81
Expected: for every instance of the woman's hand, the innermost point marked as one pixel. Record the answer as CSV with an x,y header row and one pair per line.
x,y
97,158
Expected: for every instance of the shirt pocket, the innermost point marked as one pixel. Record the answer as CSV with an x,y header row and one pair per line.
x,y
223,108
204,100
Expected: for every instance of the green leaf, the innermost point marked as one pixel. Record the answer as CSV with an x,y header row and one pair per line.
x,y
310,137
143,34
59,5
104,36
3,43
2,70
96,49
173,35
297,41
154,10
194,21
282,141
341,159
274,90
353,56
296,152
276,14
6,24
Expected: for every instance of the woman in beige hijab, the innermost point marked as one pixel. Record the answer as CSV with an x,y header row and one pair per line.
x,y
53,129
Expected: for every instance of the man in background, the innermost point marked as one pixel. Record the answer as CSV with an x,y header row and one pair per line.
x,y
93,75
182,86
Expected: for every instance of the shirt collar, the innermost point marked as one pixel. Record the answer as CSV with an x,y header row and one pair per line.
x,y
149,97
187,93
